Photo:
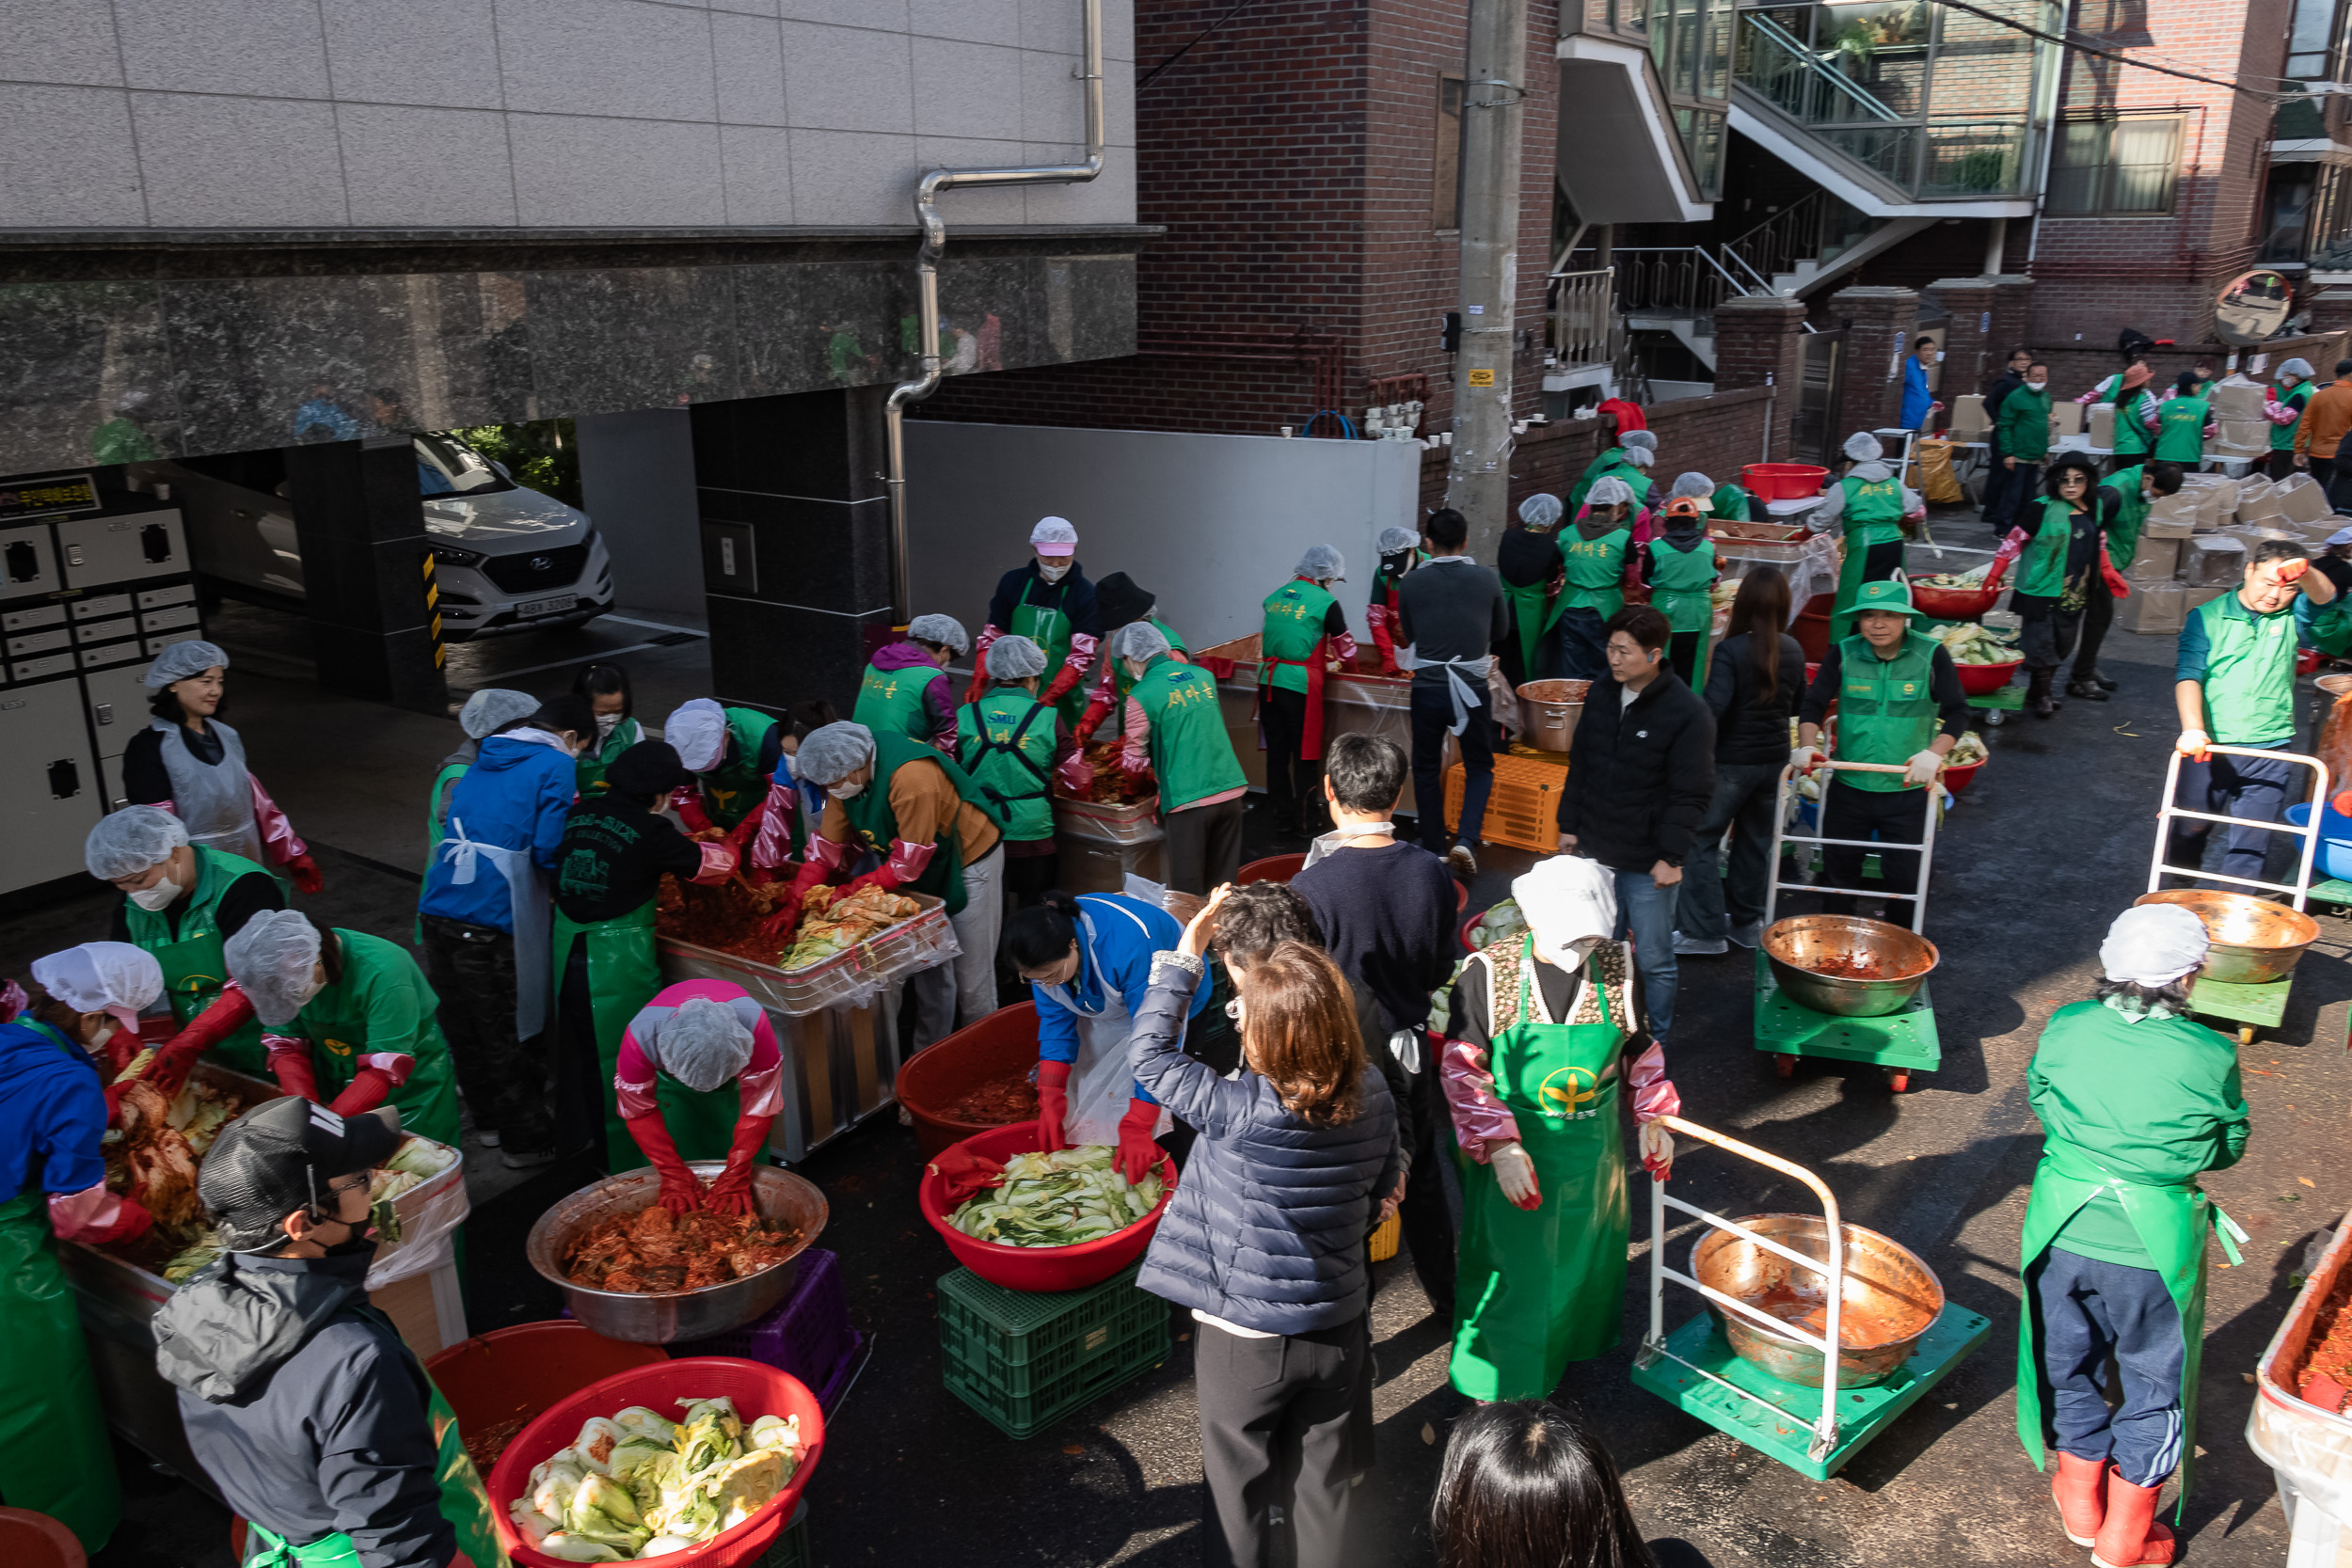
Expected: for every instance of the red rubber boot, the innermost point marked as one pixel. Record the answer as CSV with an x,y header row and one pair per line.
x,y
2129,1536
2079,1489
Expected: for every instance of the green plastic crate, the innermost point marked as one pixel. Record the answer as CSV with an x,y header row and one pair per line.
x,y
1024,1359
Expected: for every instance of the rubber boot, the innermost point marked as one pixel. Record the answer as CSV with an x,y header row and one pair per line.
x,y
2129,1536
2037,693
2090,692
2079,1490
2098,677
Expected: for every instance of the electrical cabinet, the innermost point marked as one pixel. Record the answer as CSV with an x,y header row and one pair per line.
x,y
50,796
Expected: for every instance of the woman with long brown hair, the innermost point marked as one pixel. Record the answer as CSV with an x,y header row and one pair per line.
x,y
1754,687
1265,1237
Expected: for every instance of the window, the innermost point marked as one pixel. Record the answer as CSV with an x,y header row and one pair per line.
x,y
2115,167
1445,191
2308,40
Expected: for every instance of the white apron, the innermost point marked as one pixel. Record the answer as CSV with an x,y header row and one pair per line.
x,y
1102,1080
214,802
528,905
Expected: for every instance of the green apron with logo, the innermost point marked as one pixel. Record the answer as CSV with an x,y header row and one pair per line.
x,y
893,700
873,822
1049,628
436,808
1595,571
1530,622
53,1449
2171,1221
592,763
1010,758
2131,437
382,1003
194,967
2180,431
1886,710
1681,589
2283,436
464,1502
1192,754
1539,1289
1873,517
731,789
623,973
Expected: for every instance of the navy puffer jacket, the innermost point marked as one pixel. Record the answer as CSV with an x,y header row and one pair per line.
x,y
1267,1229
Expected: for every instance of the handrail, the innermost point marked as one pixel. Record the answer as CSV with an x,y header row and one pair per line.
x,y
1699,251
1761,283
1796,49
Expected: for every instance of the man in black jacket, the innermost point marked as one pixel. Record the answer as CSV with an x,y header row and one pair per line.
x,y
1640,771
300,1401
1996,477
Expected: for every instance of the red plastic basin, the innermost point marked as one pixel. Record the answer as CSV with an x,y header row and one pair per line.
x,y
1030,1268
1955,604
1980,680
1812,627
522,1371
1002,1045
1782,481
30,1540
756,1391
1274,868
1957,779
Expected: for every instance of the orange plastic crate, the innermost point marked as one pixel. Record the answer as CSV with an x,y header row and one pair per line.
x,y
1522,811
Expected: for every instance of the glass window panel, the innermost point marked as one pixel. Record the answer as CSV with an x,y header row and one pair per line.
x,y
2145,152
1632,15
1686,76
1715,75
1445,156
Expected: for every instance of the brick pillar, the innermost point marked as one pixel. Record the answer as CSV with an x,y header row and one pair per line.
x,y
1759,342
1878,322
2332,311
1971,353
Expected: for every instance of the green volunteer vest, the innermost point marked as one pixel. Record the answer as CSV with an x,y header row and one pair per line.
x,y
1595,570
1122,684
731,789
2283,436
1729,503
2131,437
1678,584
383,1003
1006,742
1885,711
1294,617
1597,469
2024,424
2249,673
2042,571
1191,753
2123,533
591,766
891,700
1874,511
193,966
2181,429
875,822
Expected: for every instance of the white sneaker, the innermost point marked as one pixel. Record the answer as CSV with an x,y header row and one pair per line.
x,y
1461,861
490,1139
1749,935
1697,946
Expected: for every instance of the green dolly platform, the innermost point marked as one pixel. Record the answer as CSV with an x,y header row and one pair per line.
x,y
1903,1041
1812,1431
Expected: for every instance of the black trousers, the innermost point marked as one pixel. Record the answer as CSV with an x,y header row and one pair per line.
x,y
2018,492
1201,846
1271,1410
1682,652
578,1067
1294,786
2332,479
2281,461
504,1079
1029,877
2098,615
1895,816
1427,1223
2049,632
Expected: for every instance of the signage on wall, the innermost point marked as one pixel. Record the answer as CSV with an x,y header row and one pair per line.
x,y
1481,379
49,495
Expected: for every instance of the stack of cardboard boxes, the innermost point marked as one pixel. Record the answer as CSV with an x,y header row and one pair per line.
x,y
2237,408
2194,544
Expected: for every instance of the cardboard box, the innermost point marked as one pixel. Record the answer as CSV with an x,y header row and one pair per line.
x,y
2102,426
2153,560
2192,597
1969,418
2213,560
2214,506
2171,516
2066,418
2254,488
428,1309
2236,398
2244,437
2156,609
2301,498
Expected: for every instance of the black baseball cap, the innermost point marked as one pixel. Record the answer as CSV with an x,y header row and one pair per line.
x,y
282,1156
648,767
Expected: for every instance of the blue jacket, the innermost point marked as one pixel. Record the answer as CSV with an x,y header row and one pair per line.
x,y
1915,394
1266,1230
515,796
52,1114
1127,931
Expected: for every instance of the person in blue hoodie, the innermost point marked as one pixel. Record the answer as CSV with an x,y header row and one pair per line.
x,y
487,918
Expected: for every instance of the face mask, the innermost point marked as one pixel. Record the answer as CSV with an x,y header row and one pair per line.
x,y
846,791
1053,571
2036,385
606,724
159,896
1939,355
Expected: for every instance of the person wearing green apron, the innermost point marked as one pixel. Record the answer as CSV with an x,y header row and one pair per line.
x,y
1544,1034
1049,602
487,712
1594,554
2134,416
2183,422
1400,552
2135,1101
1528,560
2058,575
353,1000
2021,439
2284,409
732,754
1118,600
616,849
1012,745
607,688
1304,632
922,816
1626,462
1871,506
1175,731
905,690
699,1076
317,1424
1679,567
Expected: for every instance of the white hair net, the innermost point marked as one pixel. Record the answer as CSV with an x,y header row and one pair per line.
x,y
1321,564
1609,492
103,977
698,732
1394,539
1570,903
2297,367
1138,640
944,629
831,753
1641,457
703,1044
1014,659
492,709
272,958
1054,536
1863,447
1696,486
2154,944
1540,511
1639,440
183,659
129,841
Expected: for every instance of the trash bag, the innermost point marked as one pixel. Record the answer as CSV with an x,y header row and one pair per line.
x,y
1938,481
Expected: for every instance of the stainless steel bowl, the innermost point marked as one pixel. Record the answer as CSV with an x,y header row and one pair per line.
x,y
1796,946
660,1320
1889,1298
1550,709
2254,939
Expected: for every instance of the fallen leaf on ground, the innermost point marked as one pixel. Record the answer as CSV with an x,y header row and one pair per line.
x,y
2305,1179
1428,1434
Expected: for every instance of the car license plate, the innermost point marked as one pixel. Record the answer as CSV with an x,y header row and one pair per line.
x,y
556,606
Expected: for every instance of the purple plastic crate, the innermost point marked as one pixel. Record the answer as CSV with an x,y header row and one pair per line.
x,y
808,1334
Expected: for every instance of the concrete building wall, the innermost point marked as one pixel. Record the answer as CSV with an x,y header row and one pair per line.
x,y
545,114
637,483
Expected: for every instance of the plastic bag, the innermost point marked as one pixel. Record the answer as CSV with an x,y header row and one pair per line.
x,y
1938,481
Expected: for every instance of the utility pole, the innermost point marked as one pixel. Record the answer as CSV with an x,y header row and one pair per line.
x,y
1478,483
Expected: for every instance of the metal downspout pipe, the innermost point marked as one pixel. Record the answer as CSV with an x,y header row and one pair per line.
x,y
927,284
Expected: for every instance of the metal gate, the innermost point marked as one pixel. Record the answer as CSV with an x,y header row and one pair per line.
x,y
1821,388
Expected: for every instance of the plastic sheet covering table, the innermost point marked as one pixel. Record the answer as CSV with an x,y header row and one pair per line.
x,y
1102,845
2308,1450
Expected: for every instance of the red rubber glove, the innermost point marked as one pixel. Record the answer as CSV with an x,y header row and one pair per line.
x,y
731,1194
131,1222
687,801
780,926
680,1192
745,830
290,1064
881,876
1053,1105
1091,720
1138,1154
305,872
2289,571
978,687
1061,689
225,1016
380,1072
